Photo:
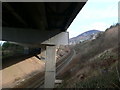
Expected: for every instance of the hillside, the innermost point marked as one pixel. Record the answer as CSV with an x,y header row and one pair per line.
x,y
89,35
96,63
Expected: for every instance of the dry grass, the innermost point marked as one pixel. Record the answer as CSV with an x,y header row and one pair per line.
x,y
95,68
93,62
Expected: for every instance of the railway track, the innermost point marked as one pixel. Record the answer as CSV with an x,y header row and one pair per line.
x,y
39,82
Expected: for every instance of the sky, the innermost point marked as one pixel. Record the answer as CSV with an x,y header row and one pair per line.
x,y
96,14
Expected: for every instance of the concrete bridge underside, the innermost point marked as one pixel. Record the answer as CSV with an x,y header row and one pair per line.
x,y
39,24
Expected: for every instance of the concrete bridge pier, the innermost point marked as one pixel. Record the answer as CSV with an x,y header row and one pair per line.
x,y
50,69
50,57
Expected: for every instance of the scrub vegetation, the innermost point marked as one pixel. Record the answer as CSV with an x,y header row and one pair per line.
x,y
96,62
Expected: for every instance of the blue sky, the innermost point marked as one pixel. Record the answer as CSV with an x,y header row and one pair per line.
x,y
96,14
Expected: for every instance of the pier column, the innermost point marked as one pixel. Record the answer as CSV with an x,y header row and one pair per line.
x,y
50,70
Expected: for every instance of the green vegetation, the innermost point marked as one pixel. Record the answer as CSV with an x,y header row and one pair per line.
x,y
10,49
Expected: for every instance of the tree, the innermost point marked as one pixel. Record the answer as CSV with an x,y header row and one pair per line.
x,y
6,45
